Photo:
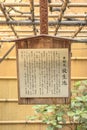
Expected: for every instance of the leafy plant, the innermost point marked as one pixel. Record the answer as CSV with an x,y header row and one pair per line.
x,y
57,116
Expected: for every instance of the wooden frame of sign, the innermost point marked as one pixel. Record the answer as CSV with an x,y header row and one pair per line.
x,y
43,69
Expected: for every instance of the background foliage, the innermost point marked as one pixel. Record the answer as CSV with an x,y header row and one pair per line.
x,y
57,116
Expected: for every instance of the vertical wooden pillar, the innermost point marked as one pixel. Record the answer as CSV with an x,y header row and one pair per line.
x,y
43,16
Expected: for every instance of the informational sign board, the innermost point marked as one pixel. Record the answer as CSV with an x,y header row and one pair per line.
x,y
43,72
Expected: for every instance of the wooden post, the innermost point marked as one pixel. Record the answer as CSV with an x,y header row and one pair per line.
x,y
43,17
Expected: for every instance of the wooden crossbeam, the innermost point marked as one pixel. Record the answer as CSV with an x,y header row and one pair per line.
x,y
25,4
50,23
50,31
29,34
49,15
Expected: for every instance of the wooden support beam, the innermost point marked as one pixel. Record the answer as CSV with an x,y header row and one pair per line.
x,y
77,31
7,78
9,100
3,9
72,58
43,17
13,122
15,78
20,122
5,55
63,8
32,16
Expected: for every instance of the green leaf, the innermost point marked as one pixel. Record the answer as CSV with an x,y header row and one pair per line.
x,y
84,93
50,108
85,126
78,83
59,118
79,127
60,113
53,122
32,117
84,115
50,128
64,121
81,87
72,104
59,126
84,82
48,122
76,118
37,106
70,113
79,98
78,104
82,99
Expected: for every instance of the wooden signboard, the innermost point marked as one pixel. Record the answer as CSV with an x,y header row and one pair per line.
x,y
43,67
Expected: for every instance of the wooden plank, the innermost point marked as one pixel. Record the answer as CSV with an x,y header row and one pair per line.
x,y
9,68
20,126
14,111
